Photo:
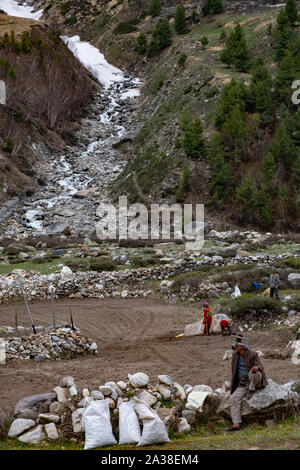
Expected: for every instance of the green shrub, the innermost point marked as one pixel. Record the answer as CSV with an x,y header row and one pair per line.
x,y
182,59
65,7
9,146
126,27
292,262
82,265
103,263
254,305
139,262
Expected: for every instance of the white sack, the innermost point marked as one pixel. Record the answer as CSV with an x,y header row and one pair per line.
x,y
196,400
154,431
237,292
129,426
97,425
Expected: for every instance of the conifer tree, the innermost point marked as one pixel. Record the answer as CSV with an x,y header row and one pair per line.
x,y
220,177
283,148
161,38
269,169
179,19
236,52
193,142
284,35
212,7
142,43
234,93
261,92
155,7
291,11
247,197
204,42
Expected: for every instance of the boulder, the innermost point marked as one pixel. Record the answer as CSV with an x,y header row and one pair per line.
x,y
147,397
77,420
265,402
48,418
165,379
67,382
31,407
138,380
294,279
182,426
164,391
33,437
51,431
18,426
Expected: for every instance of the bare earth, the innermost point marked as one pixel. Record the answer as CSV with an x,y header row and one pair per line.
x,y
132,336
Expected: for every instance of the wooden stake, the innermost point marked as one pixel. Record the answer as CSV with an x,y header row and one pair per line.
x,y
27,306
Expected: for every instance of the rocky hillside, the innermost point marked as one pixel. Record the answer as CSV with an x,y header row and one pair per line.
x,y
41,111
237,165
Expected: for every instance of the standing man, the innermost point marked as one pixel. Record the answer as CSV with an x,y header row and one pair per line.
x,y
247,375
274,283
207,320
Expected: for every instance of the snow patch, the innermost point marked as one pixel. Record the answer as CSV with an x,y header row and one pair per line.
x,y
12,8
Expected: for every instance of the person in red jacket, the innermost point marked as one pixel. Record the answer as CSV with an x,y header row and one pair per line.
x,y
225,325
207,320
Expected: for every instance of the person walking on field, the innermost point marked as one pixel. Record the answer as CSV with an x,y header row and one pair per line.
x,y
247,375
274,283
207,320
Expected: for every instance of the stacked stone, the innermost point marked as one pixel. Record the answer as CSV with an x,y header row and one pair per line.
x,y
56,343
119,284
59,415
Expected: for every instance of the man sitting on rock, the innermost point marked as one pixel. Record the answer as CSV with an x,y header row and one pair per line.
x,y
247,376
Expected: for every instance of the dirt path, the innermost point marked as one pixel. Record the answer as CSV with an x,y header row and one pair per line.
x,y
132,336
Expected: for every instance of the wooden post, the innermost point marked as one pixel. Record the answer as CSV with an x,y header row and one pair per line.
x,y
52,307
27,307
71,318
16,319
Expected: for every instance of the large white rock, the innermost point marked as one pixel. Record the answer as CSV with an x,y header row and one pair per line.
x,y
61,394
295,348
164,391
66,273
2,351
139,379
179,391
77,420
106,390
147,397
97,395
264,401
183,426
51,431
294,277
114,386
165,379
18,426
33,437
49,418
122,385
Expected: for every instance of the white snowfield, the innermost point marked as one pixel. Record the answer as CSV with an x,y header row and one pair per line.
x,y
12,8
92,59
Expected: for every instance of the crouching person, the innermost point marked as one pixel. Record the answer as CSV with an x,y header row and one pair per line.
x,y
247,375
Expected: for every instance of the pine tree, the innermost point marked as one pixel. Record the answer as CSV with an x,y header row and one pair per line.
x,y
212,7
142,43
204,42
220,177
161,38
247,197
234,93
193,142
284,35
269,169
291,11
261,93
283,148
236,130
236,52
179,19
155,8
296,172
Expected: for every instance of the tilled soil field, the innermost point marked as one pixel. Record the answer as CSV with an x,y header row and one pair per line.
x,y
132,336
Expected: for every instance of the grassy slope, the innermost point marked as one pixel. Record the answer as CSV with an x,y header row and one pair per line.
x,y
280,436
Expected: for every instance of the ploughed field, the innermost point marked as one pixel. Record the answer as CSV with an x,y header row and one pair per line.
x,y
133,336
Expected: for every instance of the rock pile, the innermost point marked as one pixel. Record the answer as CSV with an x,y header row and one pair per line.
x,y
58,343
59,414
119,284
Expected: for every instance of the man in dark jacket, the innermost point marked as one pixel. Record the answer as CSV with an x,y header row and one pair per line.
x,y
274,283
247,375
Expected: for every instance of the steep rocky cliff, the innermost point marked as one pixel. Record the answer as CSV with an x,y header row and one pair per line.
x,y
46,92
